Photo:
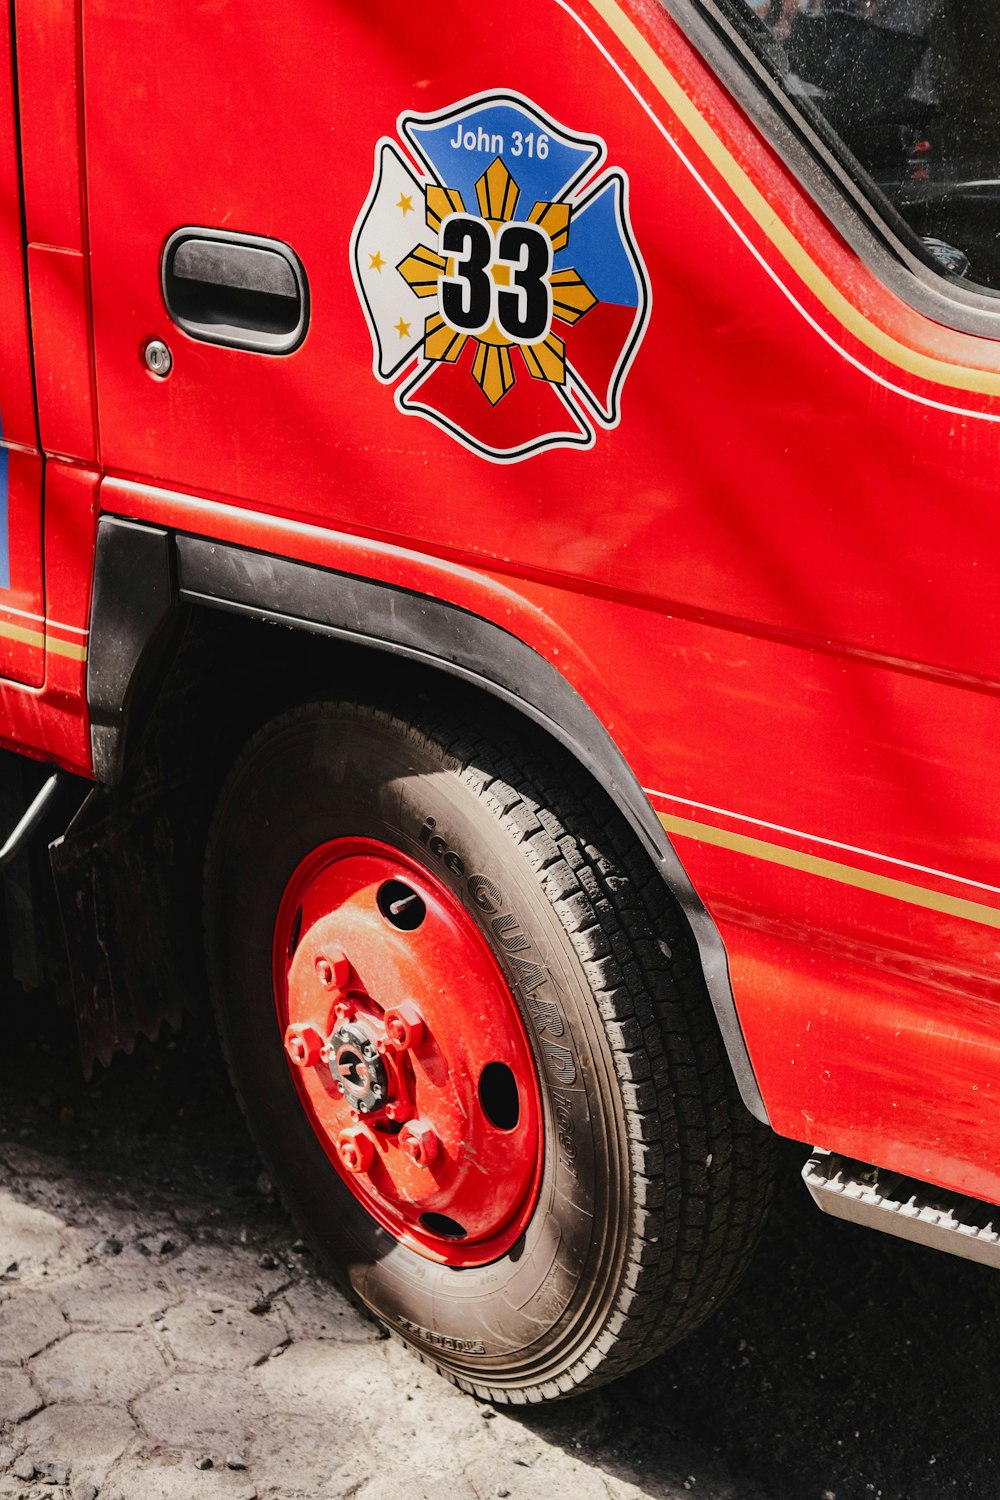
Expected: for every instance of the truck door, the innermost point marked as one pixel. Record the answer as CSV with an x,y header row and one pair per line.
x,y
245,199
22,617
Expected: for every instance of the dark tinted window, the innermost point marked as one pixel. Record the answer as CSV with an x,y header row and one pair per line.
x,y
912,89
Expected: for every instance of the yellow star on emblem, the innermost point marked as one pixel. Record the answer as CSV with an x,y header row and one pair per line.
x,y
376,261
405,204
402,328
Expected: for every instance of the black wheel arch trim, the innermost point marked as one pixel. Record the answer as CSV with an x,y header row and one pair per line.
x,y
135,593
144,572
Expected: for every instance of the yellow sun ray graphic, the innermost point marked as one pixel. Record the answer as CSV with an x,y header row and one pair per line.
x,y
422,269
440,202
497,193
497,197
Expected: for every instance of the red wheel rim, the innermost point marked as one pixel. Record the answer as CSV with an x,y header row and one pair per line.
x,y
408,1051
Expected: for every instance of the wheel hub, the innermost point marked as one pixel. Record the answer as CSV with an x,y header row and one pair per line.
x,y
356,1068
408,1051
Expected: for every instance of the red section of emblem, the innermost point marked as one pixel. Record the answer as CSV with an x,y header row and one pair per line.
x,y
530,412
598,340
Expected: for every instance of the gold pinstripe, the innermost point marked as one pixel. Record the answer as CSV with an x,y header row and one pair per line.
x,y
66,648
22,634
925,366
27,637
830,869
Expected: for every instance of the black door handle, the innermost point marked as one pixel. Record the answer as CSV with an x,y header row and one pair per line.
x,y
235,289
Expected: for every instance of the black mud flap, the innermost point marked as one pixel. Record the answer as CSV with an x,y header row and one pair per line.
x,y
128,875
129,868
35,802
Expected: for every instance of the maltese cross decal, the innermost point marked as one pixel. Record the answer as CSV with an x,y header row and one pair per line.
x,y
500,280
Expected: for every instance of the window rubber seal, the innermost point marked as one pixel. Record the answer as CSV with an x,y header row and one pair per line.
x,y
833,179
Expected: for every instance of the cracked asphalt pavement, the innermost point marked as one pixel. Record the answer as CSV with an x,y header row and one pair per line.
x,y
164,1335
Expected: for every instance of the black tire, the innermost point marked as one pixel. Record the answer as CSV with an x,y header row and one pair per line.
x,y
655,1177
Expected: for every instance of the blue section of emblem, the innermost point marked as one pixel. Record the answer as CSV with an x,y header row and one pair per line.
x,y
597,250
460,150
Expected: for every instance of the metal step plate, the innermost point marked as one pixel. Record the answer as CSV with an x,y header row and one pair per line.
x,y
905,1207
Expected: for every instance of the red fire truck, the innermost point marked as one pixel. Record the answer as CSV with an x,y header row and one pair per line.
x,y
499,533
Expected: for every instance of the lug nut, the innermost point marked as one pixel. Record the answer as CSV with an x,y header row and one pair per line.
x,y
305,1045
419,1142
332,969
404,1026
356,1149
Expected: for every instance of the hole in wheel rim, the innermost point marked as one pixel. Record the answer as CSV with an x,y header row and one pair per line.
x,y
440,1224
401,906
499,1096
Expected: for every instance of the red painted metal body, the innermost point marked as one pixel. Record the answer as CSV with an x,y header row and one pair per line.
x,y
775,581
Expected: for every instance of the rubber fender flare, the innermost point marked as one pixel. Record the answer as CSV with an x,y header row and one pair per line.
x,y
159,569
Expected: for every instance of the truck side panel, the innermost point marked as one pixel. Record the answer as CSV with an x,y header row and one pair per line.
x,y
772,580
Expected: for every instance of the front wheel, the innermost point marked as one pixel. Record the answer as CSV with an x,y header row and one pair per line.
x,y
473,1045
